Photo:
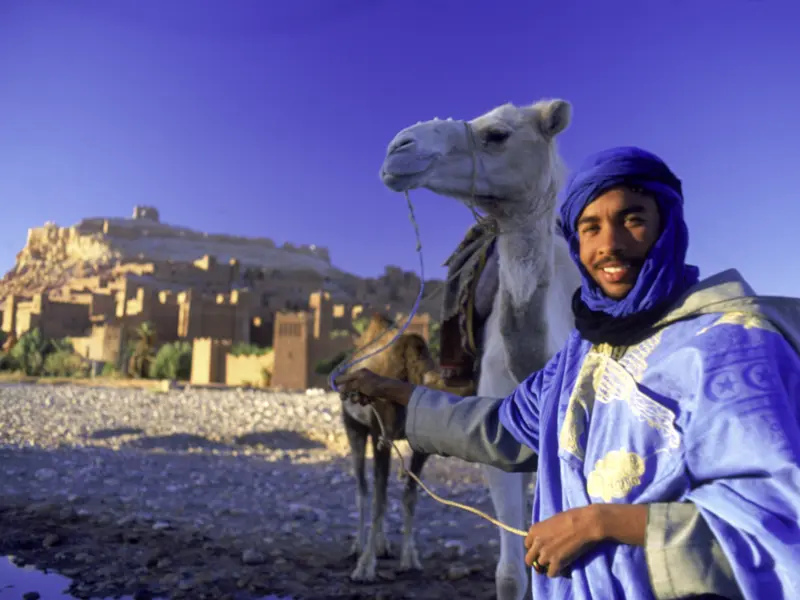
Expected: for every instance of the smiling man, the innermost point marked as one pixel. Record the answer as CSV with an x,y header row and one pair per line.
x,y
667,429
616,231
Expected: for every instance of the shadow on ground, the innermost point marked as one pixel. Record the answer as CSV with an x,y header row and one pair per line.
x,y
278,439
176,442
108,434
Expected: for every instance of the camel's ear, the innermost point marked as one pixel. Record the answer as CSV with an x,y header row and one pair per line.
x,y
552,116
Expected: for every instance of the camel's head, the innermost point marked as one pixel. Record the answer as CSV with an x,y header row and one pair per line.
x,y
497,162
378,323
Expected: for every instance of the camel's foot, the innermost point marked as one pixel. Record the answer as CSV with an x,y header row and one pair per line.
x,y
409,559
365,569
511,586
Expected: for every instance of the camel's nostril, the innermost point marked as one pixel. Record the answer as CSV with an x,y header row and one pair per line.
x,y
401,144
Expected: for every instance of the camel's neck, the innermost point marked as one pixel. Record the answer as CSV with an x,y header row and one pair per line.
x,y
526,258
526,252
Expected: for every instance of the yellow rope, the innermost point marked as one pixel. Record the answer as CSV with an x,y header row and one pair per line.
x,y
386,440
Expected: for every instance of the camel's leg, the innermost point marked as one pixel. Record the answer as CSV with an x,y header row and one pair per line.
x,y
377,544
508,491
409,559
357,436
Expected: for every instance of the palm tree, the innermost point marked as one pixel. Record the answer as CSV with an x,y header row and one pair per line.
x,y
144,346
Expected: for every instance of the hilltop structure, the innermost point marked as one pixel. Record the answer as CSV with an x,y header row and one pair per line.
x,y
97,280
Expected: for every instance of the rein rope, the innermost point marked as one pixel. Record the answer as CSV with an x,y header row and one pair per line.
x,y
385,440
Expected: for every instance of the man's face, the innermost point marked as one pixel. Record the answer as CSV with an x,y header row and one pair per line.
x,y
615,233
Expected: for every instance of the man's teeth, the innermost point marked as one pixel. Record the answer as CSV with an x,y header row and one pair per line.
x,y
614,269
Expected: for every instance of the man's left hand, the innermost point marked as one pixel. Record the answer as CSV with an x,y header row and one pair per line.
x,y
556,542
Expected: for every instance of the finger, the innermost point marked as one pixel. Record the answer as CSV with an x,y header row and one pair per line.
x,y
556,562
534,550
352,382
554,568
529,558
530,537
549,559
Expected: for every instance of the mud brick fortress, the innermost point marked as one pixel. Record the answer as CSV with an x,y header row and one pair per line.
x,y
96,281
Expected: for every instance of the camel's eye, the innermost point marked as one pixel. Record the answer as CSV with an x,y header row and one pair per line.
x,y
496,136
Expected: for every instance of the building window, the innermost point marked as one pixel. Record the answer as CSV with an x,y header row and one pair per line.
x,y
290,330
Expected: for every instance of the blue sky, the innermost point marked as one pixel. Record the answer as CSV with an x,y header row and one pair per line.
x,y
263,118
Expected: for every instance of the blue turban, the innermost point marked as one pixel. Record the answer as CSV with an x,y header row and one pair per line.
x,y
664,274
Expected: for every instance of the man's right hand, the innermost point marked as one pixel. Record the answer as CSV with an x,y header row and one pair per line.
x,y
363,386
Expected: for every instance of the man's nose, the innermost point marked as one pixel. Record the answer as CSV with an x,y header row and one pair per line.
x,y
612,240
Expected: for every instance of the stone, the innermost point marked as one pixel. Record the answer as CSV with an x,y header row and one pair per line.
x,y
45,474
457,571
253,557
457,547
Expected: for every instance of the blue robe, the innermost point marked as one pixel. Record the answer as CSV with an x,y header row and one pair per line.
x,y
704,412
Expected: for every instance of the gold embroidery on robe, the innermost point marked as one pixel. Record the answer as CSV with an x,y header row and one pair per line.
x,y
746,320
615,475
602,379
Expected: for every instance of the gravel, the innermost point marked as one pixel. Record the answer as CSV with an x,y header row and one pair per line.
x,y
200,493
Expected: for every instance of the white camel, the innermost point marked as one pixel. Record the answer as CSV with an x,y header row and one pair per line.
x,y
505,164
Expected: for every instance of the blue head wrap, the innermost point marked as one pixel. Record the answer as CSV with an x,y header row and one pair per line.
x,y
664,274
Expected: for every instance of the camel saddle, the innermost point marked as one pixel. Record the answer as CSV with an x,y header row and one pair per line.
x,y
472,283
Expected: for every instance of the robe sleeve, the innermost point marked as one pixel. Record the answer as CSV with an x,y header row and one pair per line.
x,y
684,558
501,432
742,450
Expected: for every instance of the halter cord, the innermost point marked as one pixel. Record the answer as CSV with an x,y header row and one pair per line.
x,y
384,439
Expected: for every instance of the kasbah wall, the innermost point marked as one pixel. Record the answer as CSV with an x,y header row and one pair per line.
x,y
97,314
300,339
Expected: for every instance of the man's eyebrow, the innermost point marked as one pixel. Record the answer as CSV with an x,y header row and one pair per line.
x,y
630,210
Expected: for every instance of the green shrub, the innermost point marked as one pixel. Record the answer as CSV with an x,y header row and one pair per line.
x,y
326,367
65,363
109,370
244,349
173,361
29,352
360,324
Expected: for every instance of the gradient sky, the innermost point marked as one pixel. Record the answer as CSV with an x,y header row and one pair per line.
x,y
267,118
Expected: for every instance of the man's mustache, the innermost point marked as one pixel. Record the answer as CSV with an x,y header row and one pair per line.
x,y
618,258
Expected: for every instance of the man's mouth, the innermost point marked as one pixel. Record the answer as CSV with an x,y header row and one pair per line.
x,y
618,272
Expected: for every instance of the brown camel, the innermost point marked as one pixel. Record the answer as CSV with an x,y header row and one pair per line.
x,y
407,359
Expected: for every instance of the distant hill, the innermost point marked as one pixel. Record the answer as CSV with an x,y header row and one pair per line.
x,y
98,251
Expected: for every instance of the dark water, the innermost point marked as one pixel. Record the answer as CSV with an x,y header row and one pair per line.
x,y
16,581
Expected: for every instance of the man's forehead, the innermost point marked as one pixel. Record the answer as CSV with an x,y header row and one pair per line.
x,y
619,199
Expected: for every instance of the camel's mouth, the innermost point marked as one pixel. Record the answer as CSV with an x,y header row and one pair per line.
x,y
403,181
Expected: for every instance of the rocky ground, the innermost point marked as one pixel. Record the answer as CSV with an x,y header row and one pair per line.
x,y
214,494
